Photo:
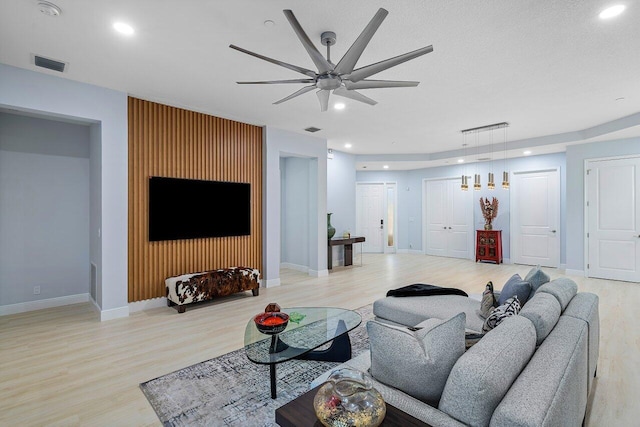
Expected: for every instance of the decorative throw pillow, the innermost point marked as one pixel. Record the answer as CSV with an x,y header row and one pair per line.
x,y
515,286
488,301
536,277
416,360
510,308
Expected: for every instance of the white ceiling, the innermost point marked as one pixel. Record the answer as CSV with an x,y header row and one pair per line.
x,y
546,67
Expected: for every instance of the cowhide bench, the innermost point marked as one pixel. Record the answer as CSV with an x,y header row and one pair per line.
x,y
196,287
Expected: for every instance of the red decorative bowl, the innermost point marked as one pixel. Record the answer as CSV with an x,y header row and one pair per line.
x,y
271,323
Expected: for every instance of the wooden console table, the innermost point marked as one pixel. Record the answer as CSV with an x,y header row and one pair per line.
x,y
348,249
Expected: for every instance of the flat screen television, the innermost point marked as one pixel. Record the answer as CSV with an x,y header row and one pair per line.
x,y
191,209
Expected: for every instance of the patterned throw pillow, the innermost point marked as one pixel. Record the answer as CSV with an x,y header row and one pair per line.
x,y
510,308
488,301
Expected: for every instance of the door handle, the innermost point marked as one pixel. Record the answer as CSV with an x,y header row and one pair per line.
x,y
444,228
449,228
553,231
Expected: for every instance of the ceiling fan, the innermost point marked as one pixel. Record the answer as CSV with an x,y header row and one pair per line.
x,y
342,79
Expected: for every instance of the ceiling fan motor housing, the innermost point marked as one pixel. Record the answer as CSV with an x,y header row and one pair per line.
x,y
328,81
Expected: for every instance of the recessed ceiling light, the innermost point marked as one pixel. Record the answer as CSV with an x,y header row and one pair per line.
x,y
339,106
269,23
620,99
612,11
460,160
123,28
347,145
385,167
526,153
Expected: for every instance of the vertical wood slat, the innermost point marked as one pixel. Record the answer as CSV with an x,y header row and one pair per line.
x,y
172,142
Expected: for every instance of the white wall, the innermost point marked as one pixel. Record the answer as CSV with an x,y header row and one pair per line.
x,y
341,197
95,206
295,212
576,156
51,95
410,196
44,209
278,143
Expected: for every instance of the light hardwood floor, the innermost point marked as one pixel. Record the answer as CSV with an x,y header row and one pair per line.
x,y
63,367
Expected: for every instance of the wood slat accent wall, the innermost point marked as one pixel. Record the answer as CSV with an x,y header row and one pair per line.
x,y
172,142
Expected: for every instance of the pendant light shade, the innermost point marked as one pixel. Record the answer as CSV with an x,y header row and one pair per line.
x,y
491,185
476,182
465,184
505,180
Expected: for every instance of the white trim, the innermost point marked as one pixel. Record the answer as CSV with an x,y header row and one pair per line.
x,y
95,305
147,304
563,266
506,261
297,267
571,272
319,273
270,283
23,307
114,313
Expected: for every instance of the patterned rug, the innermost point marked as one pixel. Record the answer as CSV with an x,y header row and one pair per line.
x,y
230,390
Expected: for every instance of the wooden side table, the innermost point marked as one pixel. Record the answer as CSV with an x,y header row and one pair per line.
x,y
489,245
300,413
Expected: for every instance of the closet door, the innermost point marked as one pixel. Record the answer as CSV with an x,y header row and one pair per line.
x,y
448,219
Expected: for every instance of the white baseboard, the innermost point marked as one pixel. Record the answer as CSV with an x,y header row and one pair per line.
x,y
506,261
270,283
114,313
571,272
23,307
296,267
319,273
563,266
409,251
147,304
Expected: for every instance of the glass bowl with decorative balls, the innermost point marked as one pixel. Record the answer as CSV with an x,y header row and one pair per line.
x,y
348,399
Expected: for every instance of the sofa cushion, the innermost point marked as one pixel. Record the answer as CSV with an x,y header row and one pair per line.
x,y
510,308
416,362
536,277
412,310
563,289
544,311
515,286
552,389
483,375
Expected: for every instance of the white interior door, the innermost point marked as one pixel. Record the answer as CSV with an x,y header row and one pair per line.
x,y
370,216
448,219
535,218
613,210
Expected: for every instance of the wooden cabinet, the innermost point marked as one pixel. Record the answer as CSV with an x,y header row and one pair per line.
x,y
489,245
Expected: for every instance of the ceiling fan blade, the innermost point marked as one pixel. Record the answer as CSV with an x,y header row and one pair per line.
x,y
373,84
369,70
275,61
273,82
323,97
296,93
352,94
321,63
348,61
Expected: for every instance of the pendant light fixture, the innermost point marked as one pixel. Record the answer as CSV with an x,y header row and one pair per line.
x,y
476,178
464,184
491,185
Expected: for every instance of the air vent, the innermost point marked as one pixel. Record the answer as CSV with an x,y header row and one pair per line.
x,y
312,129
49,64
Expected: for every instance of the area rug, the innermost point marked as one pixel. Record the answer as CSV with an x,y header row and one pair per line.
x,y
230,390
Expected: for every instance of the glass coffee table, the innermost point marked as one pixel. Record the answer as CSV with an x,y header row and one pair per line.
x,y
315,327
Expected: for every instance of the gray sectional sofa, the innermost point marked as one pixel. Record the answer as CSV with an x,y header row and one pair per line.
x,y
533,369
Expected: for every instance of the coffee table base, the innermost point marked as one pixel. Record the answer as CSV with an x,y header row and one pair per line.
x,y
338,351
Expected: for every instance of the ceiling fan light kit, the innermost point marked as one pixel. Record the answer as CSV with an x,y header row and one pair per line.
x,y
342,79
